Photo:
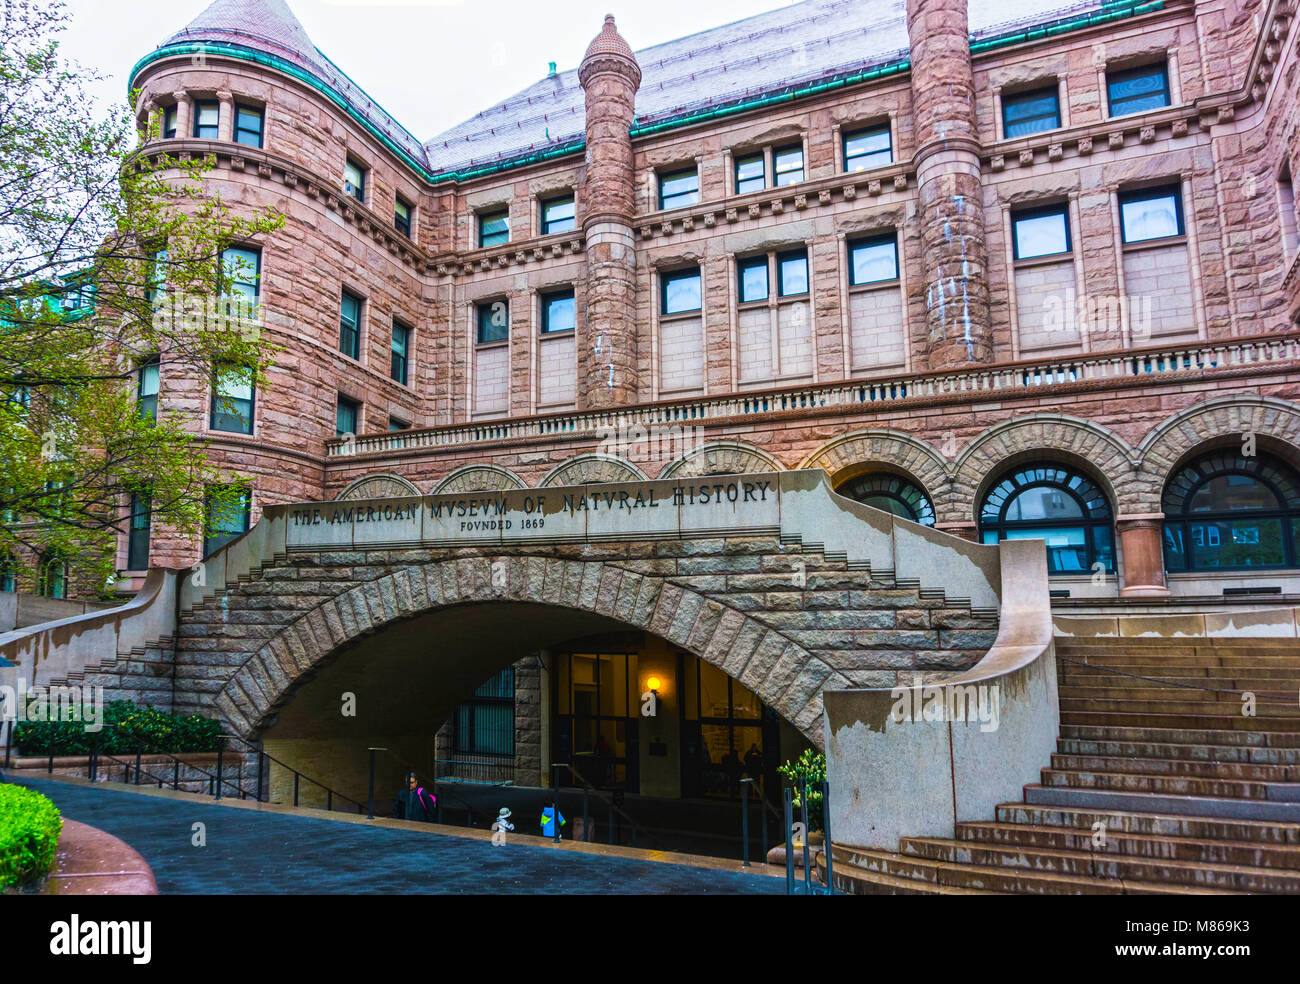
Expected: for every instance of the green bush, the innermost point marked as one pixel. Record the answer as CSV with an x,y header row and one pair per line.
x,y
126,729
29,832
809,767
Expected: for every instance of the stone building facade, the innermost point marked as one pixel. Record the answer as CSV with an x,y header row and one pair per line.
x,y
1034,276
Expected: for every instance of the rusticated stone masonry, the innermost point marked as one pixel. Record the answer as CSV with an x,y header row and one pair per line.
x,y
786,621
948,174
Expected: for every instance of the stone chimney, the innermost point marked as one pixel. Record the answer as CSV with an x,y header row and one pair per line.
x,y
609,75
948,173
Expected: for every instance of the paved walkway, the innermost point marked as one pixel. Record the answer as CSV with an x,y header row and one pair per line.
x,y
257,852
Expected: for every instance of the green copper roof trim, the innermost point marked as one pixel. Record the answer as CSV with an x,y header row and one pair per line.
x,y
1111,11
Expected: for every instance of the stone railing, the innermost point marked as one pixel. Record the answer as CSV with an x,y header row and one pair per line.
x,y
915,761
1164,361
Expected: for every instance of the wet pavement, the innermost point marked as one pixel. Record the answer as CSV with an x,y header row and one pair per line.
x,y
257,852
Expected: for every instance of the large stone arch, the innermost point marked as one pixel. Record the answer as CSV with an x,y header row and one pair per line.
x,y
1218,421
786,677
380,486
479,478
862,451
1081,443
721,458
592,468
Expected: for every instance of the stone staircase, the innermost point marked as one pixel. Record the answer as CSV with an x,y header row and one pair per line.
x,y
1159,785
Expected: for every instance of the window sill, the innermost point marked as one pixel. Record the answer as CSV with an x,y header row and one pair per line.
x,y
1048,260
1155,243
875,285
559,333
680,316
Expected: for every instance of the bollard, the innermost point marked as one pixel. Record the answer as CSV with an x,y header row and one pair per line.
x,y
371,810
744,822
803,815
826,836
789,841
221,747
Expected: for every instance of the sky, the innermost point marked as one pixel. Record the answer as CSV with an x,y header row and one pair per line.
x,y
430,63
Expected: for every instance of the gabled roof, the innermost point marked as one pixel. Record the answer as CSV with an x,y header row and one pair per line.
x,y
782,49
766,55
269,26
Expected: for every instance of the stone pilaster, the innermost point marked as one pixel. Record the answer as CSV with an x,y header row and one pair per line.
x,y
948,174
610,76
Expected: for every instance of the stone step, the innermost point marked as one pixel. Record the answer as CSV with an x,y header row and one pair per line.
x,y
1184,646
1142,824
1179,671
1177,704
1286,686
1182,752
1217,807
1193,736
1281,792
1182,722
855,881
1237,662
1070,762
1201,850
1111,867
984,878
1147,692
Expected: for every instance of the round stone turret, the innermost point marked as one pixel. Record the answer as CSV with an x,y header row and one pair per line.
x,y
609,75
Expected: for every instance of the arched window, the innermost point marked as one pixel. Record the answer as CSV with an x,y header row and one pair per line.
x,y
1225,511
1053,503
53,581
892,494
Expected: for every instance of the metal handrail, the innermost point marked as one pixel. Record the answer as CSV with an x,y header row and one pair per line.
x,y
330,791
600,795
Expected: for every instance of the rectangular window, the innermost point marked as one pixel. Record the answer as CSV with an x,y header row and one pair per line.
x,y
680,291
402,218
354,180
787,165
1151,213
867,149
493,228
485,724
137,545
558,215
1024,113
679,189
242,268
751,173
157,275
350,325
146,389
248,126
8,576
792,273
345,416
559,311
206,116
400,350
53,582
397,425
752,279
493,319
232,400
169,123
227,518
873,260
1137,90
1040,232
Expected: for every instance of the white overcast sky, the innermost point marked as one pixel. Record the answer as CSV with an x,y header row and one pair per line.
x,y
430,63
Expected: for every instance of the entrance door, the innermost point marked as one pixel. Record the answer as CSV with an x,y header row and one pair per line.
x,y
727,734
596,726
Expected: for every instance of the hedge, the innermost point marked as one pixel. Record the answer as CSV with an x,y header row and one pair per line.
x,y
126,729
29,832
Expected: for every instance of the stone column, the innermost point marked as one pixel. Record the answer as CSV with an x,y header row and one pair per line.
x,y
226,117
609,75
184,128
948,174
1143,555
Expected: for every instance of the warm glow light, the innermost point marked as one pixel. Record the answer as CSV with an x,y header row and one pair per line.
x,y
653,683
